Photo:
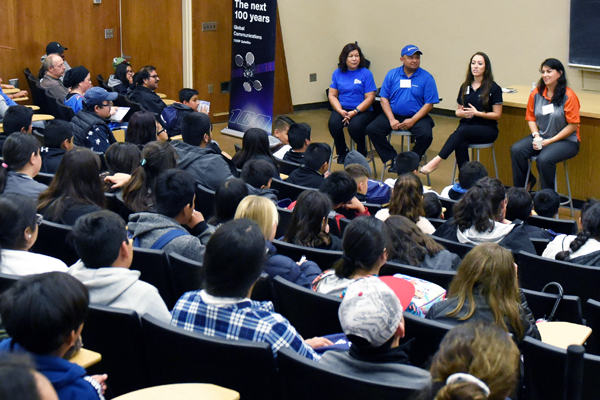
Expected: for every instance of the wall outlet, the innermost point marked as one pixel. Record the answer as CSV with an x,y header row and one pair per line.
x,y
209,26
313,77
211,89
109,33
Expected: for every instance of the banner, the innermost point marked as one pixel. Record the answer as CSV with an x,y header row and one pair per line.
x,y
252,66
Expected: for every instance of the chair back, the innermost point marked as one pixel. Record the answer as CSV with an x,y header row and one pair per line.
x,y
541,305
205,201
64,112
39,96
133,107
285,218
287,167
39,137
324,258
460,249
43,177
6,281
592,319
155,270
179,356
311,313
288,190
344,222
102,83
449,204
52,241
427,335
185,273
540,245
436,222
442,278
263,289
557,225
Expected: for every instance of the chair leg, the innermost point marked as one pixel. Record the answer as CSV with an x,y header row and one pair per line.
x,y
454,172
372,157
529,162
495,164
570,199
331,155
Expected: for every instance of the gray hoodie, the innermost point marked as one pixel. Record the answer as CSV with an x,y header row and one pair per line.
x,y
474,237
207,164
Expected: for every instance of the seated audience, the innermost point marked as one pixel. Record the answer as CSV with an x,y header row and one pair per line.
x,y
519,207
227,198
371,317
486,288
316,164
22,162
407,161
16,119
146,82
281,126
106,253
264,213
479,217
199,155
546,203
299,139
223,307
367,190
172,116
365,246
54,48
63,303
143,128
175,227
468,175
432,206
18,233
78,81
410,246
341,189
255,146
58,140
309,225
90,125
407,200
122,81
20,380
258,175
54,67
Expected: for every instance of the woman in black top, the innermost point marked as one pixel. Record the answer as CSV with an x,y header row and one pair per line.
x,y
479,107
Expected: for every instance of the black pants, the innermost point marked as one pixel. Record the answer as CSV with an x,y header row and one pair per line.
x,y
380,128
357,128
465,135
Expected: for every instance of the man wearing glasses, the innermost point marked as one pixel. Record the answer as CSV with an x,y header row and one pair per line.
x,y
146,82
90,125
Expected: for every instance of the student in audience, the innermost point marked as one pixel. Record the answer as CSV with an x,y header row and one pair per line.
x,y
371,317
264,213
172,116
258,175
475,360
299,138
367,190
468,175
44,315
58,140
76,189
407,200
55,48
255,146
199,155
16,119
54,67
519,207
432,206
223,307
175,227
227,198
106,253
90,125
366,246
146,82
314,170
281,126
122,157
407,161
143,128
19,379
479,217
22,162
122,81
341,189
309,225
78,81
138,192
486,288
546,203
410,246
18,233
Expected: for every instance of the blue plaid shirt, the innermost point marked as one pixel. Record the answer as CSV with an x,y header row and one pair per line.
x,y
246,319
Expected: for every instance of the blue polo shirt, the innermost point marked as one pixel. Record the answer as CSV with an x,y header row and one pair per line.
x,y
352,86
407,101
9,101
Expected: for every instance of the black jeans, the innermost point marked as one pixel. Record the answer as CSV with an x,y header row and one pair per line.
x,y
465,135
357,128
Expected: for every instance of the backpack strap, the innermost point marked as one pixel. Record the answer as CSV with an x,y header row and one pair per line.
x,y
167,237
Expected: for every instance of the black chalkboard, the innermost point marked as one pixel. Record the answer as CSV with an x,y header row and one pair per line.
x,y
584,39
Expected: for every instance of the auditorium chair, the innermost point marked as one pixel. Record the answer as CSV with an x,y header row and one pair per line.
x,y
155,270
442,278
324,258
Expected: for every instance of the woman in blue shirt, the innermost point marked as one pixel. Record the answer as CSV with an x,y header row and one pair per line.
x,y
351,93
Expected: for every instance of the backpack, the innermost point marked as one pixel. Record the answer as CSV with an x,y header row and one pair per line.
x,y
163,240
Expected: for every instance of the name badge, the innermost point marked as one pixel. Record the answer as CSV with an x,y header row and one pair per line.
x,y
549,109
405,83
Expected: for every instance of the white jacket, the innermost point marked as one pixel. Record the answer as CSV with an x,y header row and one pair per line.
x,y
21,263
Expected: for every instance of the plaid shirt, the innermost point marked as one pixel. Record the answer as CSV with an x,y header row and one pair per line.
x,y
246,319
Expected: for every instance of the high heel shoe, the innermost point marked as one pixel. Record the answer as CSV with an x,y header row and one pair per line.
x,y
426,171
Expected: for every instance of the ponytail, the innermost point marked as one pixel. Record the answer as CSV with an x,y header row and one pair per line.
x,y
17,152
590,224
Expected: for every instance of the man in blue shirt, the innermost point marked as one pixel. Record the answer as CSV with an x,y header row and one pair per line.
x,y
408,94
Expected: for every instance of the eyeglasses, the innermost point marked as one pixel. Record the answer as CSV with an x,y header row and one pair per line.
x,y
154,76
38,219
159,132
110,104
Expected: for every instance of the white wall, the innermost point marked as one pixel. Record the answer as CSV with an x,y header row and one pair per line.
x,y
517,35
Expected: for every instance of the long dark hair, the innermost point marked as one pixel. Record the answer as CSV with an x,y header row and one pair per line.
x,y
408,244
486,82
480,206
344,56
590,229
254,143
561,85
306,227
17,213
17,152
141,128
407,198
227,197
121,73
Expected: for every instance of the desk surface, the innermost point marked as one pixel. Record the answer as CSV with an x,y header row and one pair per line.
x,y
42,117
161,95
168,101
182,391
21,98
563,334
32,106
11,91
86,358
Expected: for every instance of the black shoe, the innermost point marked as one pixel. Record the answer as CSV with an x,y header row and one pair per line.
x,y
531,183
341,158
392,168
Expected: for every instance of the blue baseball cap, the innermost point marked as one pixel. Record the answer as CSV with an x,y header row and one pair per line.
x,y
410,50
97,95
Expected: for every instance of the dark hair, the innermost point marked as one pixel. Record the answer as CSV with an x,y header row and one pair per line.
x,y
194,126
432,205
309,219
365,240
17,152
408,244
40,311
174,190
17,118
98,237
470,173
227,197
480,206
76,182
141,128
561,85
281,122
344,55
486,83
316,155
17,213
138,193
121,73
224,275
590,229
122,157
546,203
258,173
406,162
56,132
519,204
298,134
407,197
17,379
143,74
186,94
340,187
255,143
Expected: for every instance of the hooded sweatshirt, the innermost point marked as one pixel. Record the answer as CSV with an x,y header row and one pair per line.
x,y
121,288
51,158
206,164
